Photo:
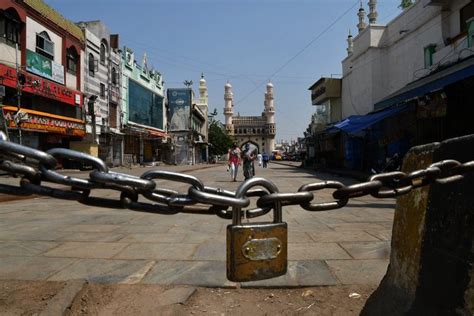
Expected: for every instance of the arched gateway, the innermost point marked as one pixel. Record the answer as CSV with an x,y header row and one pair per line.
x,y
256,130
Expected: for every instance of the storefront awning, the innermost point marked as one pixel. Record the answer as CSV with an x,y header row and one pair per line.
x,y
356,123
431,83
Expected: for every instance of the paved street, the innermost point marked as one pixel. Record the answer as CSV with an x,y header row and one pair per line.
x,y
48,239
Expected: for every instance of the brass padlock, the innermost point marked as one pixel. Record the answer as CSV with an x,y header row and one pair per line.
x,y
256,251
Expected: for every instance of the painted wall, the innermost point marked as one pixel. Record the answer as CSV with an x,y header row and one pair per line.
x,y
32,28
8,54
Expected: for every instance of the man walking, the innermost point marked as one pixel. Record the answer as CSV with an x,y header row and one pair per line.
x,y
248,157
265,159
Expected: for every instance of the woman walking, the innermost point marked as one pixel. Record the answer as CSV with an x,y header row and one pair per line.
x,y
234,161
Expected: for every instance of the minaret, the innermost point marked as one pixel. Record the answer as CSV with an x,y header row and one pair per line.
x,y
362,25
350,43
203,97
373,11
228,110
270,116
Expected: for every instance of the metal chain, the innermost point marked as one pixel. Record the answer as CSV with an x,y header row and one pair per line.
x,y
37,167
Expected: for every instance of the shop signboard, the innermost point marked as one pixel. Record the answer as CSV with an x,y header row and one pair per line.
x,y
45,122
179,103
44,67
40,86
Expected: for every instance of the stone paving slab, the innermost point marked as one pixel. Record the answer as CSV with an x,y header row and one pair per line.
x,y
86,250
316,251
25,248
211,250
367,250
197,273
153,238
101,270
300,273
381,234
37,235
338,236
358,271
92,236
31,268
163,251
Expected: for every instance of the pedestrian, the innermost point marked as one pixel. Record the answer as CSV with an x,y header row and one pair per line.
x,y
265,159
248,157
234,161
259,159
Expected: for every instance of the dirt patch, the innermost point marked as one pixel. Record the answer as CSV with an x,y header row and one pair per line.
x,y
333,300
26,298
31,297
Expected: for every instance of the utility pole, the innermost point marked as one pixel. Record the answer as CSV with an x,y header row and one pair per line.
x,y
2,116
17,116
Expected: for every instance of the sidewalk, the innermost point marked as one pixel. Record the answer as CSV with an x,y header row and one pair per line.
x,y
59,240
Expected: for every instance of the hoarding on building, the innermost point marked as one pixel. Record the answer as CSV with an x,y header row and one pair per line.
x,y
45,122
179,103
144,106
40,86
44,67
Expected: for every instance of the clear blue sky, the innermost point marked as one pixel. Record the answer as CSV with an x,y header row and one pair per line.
x,y
243,41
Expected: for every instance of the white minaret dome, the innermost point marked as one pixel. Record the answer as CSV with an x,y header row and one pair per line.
x,y
270,85
227,85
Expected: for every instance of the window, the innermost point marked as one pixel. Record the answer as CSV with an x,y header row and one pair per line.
x,y
429,51
114,76
10,26
103,53
71,60
470,32
91,65
466,13
44,45
102,90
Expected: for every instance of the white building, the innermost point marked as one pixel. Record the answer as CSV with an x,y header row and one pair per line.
x,y
382,59
102,71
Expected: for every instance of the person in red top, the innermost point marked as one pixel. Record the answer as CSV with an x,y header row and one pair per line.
x,y
234,161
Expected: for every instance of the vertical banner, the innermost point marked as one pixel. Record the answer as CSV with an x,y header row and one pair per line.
x,y
179,103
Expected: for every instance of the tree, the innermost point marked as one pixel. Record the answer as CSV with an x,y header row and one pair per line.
x,y
405,4
219,141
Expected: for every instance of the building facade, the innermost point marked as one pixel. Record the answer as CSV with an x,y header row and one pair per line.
x,y
102,93
405,83
143,108
41,70
188,124
382,59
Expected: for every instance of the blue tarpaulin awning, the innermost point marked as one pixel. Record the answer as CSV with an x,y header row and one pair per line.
x,y
356,123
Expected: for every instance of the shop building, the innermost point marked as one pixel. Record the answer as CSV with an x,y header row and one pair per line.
x,y
42,56
188,124
143,111
324,148
405,83
102,93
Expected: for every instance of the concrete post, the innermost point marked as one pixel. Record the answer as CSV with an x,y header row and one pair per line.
x,y
431,270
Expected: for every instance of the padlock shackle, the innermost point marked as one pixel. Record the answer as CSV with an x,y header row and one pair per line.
x,y
245,187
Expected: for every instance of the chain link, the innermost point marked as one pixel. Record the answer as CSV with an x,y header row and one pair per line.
x,y
37,167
